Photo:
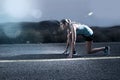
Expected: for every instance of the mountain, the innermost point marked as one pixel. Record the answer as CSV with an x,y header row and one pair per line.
x,y
49,32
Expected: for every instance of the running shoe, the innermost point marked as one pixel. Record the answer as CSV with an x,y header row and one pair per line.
x,y
107,50
74,53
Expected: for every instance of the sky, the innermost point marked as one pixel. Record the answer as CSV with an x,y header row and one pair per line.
x,y
91,12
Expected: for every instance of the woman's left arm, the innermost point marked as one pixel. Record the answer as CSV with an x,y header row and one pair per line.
x,y
73,31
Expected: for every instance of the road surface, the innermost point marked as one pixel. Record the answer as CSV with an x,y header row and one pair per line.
x,y
19,65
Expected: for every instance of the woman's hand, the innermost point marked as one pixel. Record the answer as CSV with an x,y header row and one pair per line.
x,y
65,52
70,55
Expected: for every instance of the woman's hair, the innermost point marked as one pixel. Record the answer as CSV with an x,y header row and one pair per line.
x,y
65,21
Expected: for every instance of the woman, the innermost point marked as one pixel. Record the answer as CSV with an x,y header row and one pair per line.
x,y
74,29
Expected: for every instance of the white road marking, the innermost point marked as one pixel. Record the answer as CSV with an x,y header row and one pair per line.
x,y
65,59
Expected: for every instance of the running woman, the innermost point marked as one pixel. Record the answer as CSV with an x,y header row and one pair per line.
x,y
74,29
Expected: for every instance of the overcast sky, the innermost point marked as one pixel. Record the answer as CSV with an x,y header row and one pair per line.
x,y
90,12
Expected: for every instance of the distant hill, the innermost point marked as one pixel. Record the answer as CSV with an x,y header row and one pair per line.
x,y
107,34
48,32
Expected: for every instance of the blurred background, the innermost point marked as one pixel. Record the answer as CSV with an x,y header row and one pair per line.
x,y
37,21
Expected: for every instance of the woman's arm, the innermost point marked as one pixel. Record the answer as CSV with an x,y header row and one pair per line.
x,y
73,32
68,42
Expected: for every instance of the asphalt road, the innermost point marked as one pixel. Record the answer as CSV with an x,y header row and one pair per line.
x,y
78,68
61,69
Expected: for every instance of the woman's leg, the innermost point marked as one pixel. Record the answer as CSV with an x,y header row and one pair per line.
x,y
91,50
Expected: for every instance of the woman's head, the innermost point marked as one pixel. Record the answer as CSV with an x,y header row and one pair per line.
x,y
64,23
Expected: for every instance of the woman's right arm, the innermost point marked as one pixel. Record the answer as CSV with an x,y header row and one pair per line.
x,y
68,42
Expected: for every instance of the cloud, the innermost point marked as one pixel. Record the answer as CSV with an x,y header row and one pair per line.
x,y
19,10
98,12
106,9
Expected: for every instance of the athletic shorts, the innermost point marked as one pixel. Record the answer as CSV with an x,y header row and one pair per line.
x,y
88,38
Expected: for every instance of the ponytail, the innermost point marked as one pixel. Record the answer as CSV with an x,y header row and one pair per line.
x,y
65,21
